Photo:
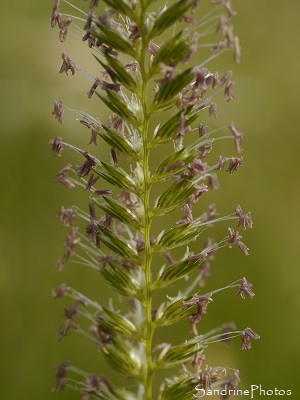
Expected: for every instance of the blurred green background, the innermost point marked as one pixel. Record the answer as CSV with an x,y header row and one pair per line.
x,y
31,239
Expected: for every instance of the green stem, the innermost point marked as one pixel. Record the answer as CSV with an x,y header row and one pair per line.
x,y
148,253
147,217
148,302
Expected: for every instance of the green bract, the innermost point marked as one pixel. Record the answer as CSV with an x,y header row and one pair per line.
x,y
117,177
168,16
118,211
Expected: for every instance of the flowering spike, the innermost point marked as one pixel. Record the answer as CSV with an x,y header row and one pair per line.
x,y
152,155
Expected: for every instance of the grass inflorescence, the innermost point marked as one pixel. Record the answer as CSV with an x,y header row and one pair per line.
x,y
159,143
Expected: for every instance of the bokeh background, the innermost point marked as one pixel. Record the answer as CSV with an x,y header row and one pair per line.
x,y
31,239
